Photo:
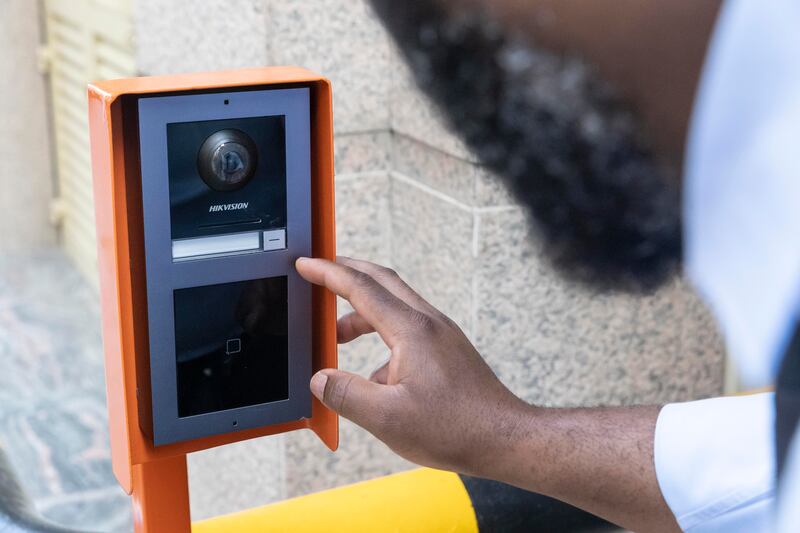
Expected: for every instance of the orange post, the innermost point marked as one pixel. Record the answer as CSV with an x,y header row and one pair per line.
x,y
161,496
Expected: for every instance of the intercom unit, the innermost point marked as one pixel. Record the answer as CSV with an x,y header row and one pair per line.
x,y
207,189
226,184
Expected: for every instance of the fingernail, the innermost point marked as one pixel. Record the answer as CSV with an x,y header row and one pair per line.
x,y
300,259
318,382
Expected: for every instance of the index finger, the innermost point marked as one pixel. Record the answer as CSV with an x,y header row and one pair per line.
x,y
387,313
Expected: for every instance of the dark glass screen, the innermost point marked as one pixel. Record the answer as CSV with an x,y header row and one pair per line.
x,y
231,345
197,210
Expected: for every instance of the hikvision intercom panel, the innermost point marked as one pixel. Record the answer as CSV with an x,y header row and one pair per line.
x,y
207,186
226,210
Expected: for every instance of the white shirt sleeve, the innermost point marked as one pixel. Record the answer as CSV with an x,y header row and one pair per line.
x,y
715,463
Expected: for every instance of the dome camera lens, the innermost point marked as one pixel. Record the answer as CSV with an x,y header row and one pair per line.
x,y
230,162
227,160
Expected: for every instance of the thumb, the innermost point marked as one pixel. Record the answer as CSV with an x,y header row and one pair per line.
x,y
350,395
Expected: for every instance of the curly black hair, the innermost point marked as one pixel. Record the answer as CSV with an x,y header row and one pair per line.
x,y
564,143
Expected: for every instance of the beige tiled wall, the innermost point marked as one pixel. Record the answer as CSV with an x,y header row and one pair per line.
x,y
414,115
188,36
341,39
411,196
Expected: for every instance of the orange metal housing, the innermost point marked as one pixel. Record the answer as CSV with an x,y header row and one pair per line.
x,y
117,194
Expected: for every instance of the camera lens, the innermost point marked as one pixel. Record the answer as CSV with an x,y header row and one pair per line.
x,y
227,160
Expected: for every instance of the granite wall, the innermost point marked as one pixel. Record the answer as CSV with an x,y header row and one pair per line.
x,y
411,196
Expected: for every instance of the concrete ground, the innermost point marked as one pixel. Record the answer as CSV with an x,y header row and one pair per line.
x,y
53,419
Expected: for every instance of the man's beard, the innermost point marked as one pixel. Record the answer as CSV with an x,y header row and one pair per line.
x,y
560,139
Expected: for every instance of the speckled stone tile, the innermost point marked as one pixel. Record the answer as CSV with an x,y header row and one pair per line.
x,y
342,40
188,36
363,217
414,115
491,191
555,343
432,242
448,174
53,418
237,476
362,152
462,180
675,352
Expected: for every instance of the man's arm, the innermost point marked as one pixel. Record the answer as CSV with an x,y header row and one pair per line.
x,y
437,403
598,459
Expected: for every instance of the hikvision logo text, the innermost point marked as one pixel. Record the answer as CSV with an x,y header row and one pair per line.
x,y
228,207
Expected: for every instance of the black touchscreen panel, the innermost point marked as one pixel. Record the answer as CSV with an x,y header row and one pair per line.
x,y
226,176
231,345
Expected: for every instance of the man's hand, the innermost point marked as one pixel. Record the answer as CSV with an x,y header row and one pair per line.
x,y
437,403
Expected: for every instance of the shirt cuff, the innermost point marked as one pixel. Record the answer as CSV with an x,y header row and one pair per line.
x,y
715,462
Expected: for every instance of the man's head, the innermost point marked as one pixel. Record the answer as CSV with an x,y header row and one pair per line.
x,y
557,135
